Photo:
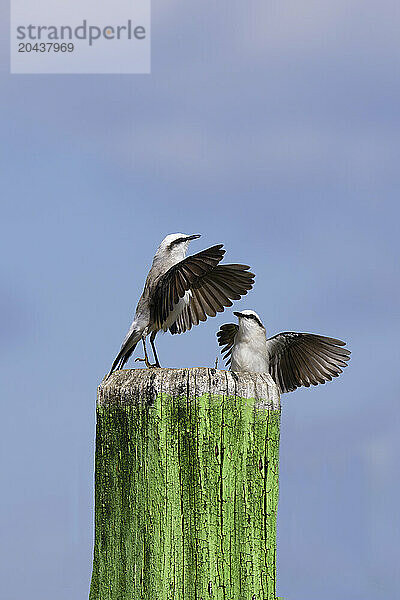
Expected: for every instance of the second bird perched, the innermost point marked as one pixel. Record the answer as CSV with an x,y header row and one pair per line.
x,y
292,359
179,292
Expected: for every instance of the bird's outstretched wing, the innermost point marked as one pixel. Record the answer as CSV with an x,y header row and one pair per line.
x,y
212,293
297,359
179,279
226,339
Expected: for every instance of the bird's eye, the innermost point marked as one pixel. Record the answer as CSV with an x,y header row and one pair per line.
x,y
255,319
178,241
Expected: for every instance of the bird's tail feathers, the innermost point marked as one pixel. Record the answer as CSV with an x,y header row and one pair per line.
x,y
126,351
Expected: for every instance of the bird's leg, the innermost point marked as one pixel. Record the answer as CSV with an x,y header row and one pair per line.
x,y
152,338
146,358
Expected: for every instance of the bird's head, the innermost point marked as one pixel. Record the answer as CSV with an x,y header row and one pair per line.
x,y
249,321
175,245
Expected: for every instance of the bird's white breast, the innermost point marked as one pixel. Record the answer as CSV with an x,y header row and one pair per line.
x,y
249,353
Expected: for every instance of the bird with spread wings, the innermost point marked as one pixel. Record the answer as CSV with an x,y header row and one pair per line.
x,y
292,359
181,291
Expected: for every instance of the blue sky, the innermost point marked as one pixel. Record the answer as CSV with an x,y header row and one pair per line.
x,y
273,128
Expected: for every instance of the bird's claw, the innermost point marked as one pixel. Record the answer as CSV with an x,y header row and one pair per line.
x,y
148,364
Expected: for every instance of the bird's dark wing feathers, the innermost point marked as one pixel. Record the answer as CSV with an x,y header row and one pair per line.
x,y
212,292
226,339
179,279
297,359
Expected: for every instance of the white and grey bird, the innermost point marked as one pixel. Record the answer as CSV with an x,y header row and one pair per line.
x,y
179,292
292,359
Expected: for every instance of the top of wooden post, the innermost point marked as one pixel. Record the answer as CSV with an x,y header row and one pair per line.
x,y
128,385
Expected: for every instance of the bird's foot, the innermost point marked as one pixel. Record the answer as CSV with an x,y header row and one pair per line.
x,y
147,362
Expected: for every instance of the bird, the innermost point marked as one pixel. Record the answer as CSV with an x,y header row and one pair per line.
x,y
292,359
181,291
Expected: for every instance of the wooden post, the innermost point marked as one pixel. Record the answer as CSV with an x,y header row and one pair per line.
x,y
186,486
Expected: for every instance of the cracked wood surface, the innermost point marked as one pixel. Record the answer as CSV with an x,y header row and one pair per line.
x,y
186,486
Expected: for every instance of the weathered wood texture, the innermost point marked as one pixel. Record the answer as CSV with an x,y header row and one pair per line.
x,y
186,486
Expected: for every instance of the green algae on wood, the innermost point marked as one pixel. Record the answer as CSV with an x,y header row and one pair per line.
x,y
186,486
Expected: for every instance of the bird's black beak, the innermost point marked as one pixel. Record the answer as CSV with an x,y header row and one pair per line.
x,y
193,237
237,314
